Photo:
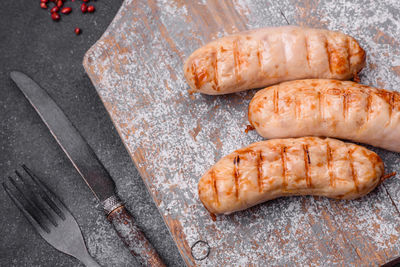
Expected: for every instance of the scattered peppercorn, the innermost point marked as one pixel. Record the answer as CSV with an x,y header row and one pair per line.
x,y
58,8
59,3
90,9
84,8
66,10
55,16
54,9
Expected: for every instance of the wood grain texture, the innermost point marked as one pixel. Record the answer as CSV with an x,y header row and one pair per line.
x,y
174,137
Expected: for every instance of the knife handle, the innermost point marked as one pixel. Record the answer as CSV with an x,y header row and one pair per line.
x,y
134,238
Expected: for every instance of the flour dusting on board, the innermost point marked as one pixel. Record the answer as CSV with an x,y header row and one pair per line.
x,y
174,137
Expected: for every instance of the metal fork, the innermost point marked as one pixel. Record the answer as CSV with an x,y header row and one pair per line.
x,y
49,216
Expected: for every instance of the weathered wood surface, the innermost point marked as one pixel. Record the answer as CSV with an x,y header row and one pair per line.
x,y
174,137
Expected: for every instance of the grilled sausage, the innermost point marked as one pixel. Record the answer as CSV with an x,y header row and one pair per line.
x,y
283,167
268,56
340,109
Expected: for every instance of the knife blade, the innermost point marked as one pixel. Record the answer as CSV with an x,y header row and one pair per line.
x,y
74,146
89,167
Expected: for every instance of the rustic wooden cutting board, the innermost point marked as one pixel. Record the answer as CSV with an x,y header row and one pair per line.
x,y
174,137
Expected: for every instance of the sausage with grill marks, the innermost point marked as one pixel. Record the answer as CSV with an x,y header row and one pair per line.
x,y
267,56
340,109
281,167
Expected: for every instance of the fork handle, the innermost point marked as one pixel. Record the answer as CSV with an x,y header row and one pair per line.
x,y
133,237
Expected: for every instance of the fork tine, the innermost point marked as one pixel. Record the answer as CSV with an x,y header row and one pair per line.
x,y
47,194
37,201
33,221
33,211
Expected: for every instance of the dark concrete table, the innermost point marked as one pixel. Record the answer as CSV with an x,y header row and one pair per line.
x,y
52,54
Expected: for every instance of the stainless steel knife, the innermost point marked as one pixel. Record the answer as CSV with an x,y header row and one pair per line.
x,y
89,167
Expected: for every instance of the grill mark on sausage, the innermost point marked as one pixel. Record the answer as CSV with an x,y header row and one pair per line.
x,y
345,106
307,51
321,116
259,56
214,185
297,109
276,100
236,59
329,163
348,53
328,52
236,162
373,165
215,66
307,163
391,105
285,60
195,76
369,102
388,97
284,178
259,171
353,173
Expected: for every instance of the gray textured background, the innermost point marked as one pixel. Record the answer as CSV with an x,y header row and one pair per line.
x,y
51,54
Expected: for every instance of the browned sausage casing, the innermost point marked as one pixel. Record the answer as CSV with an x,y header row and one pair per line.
x,y
267,56
283,167
332,108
